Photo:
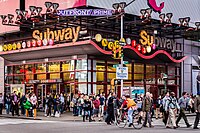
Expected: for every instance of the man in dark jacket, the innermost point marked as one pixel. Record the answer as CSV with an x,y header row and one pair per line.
x,y
110,109
197,110
147,105
15,105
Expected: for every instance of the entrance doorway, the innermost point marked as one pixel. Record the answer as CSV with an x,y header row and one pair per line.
x,y
41,94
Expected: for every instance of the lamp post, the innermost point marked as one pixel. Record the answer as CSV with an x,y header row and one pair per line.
x,y
119,8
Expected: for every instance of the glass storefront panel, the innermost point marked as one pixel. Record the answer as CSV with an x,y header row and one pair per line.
x,y
111,76
41,76
54,67
81,76
18,79
8,79
29,77
68,76
81,64
99,89
100,76
150,74
138,78
171,72
138,68
40,68
68,65
161,69
100,65
8,69
55,76
29,68
19,69
82,88
111,67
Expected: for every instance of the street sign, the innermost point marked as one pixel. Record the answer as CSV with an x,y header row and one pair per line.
x,y
122,73
115,66
125,62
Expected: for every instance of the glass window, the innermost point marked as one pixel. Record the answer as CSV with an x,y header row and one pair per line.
x,y
18,79
100,76
55,76
19,69
68,65
40,68
81,65
68,76
138,78
150,74
171,72
41,76
138,68
111,76
129,67
8,70
161,69
54,67
112,66
29,68
100,66
82,88
81,76
8,79
29,77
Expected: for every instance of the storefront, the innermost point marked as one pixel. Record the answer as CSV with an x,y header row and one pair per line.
x,y
62,58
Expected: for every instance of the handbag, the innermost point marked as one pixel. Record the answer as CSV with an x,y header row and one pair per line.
x,y
57,114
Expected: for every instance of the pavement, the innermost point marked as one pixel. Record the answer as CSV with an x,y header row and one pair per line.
x,y
8,125
67,116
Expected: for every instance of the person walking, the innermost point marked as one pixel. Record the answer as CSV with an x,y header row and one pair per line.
x,y
110,109
33,100
8,104
183,104
22,100
86,109
158,105
171,107
1,103
102,104
147,106
15,106
49,101
197,110
163,106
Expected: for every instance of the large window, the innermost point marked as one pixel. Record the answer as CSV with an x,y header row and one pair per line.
x,y
8,69
81,65
68,65
19,69
150,74
54,67
40,68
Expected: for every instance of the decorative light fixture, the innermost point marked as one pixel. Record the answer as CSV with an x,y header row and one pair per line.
x,y
166,18
55,7
146,14
10,18
39,10
48,6
197,24
3,17
162,17
184,21
169,17
32,9
119,7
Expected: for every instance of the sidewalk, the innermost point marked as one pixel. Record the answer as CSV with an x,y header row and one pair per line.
x,y
67,116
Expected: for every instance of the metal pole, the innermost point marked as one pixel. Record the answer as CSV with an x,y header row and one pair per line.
x,y
122,26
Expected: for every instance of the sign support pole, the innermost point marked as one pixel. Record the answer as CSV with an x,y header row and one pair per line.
x,y
122,26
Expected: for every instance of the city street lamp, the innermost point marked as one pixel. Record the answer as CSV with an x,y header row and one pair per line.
x,y
119,8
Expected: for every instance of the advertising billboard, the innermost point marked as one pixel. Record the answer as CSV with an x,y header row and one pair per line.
x,y
63,4
8,7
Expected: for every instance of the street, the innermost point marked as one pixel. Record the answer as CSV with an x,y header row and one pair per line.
x,y
48,126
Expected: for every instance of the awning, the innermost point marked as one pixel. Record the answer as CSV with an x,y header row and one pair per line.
x,y
87,47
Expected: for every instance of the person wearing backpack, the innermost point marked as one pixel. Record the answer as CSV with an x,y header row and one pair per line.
x,y
197,110
158,105
130,104
183,104
171,107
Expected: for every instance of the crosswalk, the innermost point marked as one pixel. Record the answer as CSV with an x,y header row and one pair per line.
x,y
21,121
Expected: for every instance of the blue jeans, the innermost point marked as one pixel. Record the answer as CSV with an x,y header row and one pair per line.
x,y
80,110
130,117
8,106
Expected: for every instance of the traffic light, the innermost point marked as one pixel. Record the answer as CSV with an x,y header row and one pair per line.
x,y
120,53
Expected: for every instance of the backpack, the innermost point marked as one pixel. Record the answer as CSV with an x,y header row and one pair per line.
x,y
131,103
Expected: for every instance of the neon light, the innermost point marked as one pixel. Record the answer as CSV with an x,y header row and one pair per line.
x,y
153,4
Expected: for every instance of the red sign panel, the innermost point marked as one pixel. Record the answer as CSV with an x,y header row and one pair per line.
x,y
63,4
8,7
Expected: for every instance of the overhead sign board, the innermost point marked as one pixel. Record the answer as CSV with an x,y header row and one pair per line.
x,y
85,12
122,73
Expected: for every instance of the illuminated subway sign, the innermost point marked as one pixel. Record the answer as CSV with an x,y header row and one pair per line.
x,y
160,42
58,35
85,12
45,38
